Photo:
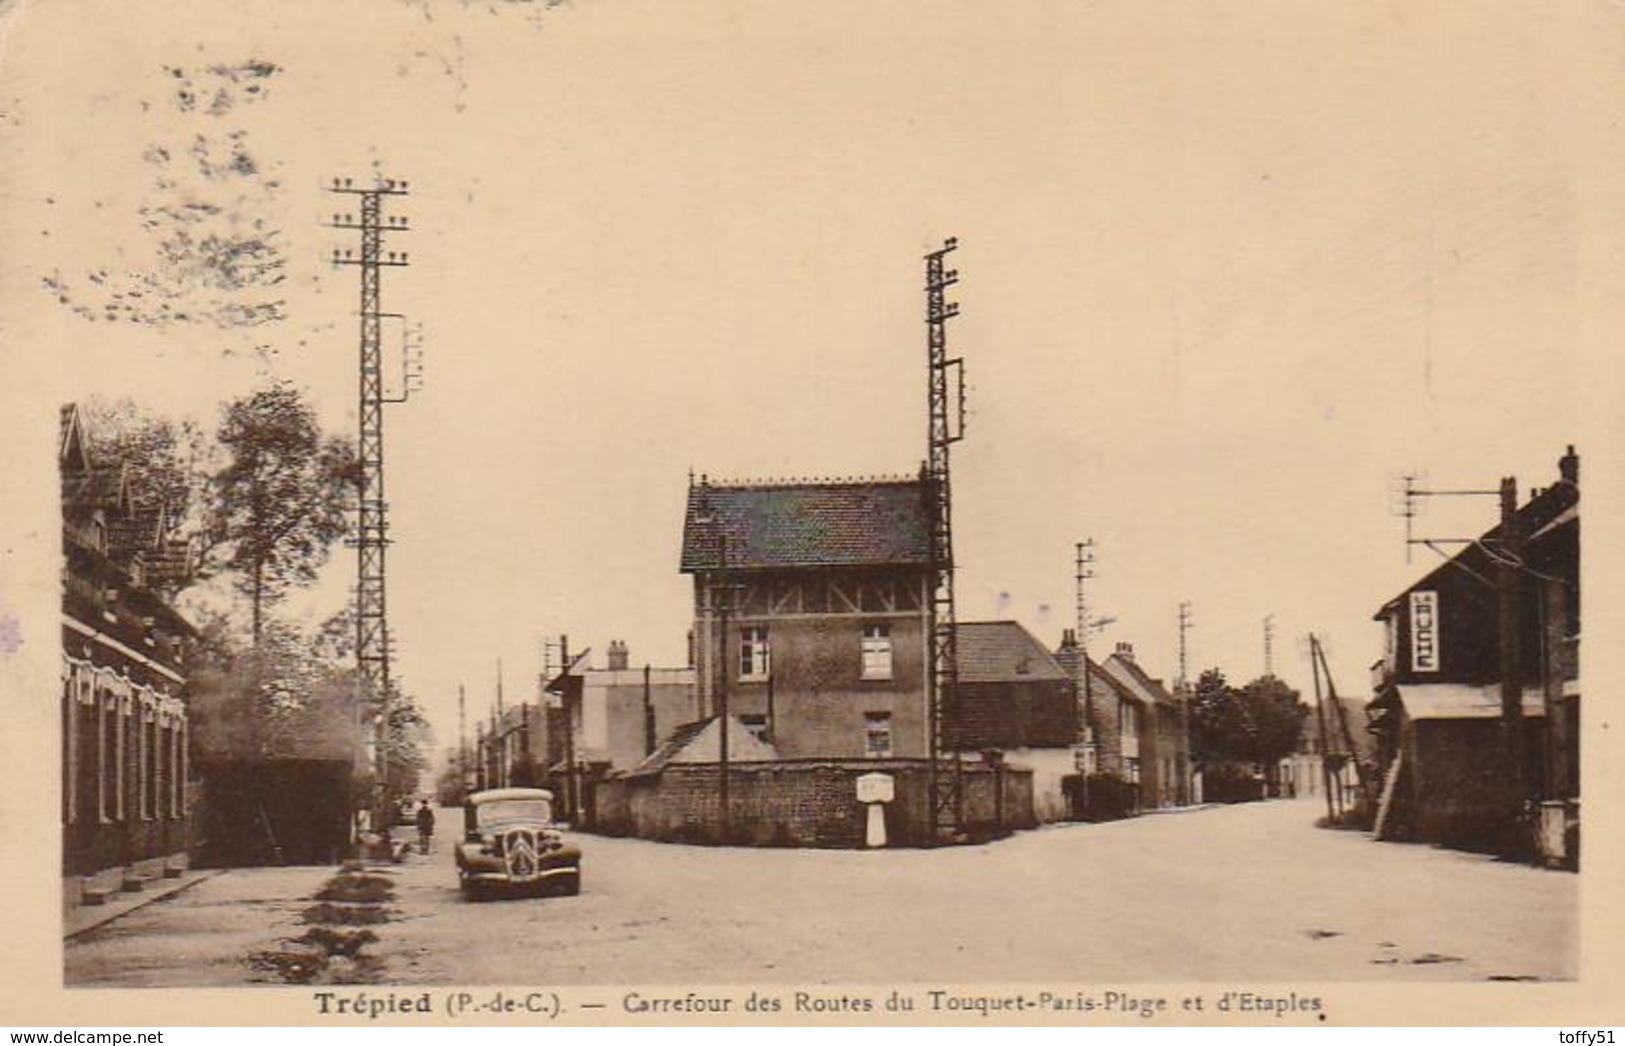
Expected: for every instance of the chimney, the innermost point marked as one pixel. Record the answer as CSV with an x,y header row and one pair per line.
x,y
617,655
1126,652
1069,639
1568,466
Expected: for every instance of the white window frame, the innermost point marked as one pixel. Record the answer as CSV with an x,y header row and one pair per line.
x,y
755,653
106,752
143,764
878,724
876,647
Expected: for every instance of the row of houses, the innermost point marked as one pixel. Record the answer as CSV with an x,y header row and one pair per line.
x,y
127,801
808,659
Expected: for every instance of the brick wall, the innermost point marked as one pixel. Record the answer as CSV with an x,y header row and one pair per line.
x,y
803,803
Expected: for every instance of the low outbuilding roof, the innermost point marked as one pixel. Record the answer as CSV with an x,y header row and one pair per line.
x,y
1463,701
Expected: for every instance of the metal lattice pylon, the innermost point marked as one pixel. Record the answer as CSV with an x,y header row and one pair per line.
x,y
371,539
947,427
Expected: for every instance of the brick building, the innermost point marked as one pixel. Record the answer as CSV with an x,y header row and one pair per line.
x,y
814,599
126,804
1438,712
1015,699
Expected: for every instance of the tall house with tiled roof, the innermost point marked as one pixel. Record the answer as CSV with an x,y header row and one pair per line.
x,y
125,809
825,588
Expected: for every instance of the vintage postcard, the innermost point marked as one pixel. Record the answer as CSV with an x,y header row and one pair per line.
x,y
609,512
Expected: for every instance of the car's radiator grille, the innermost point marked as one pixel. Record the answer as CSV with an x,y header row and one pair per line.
x,y
521,853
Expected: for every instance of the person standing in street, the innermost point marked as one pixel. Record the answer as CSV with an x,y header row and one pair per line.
x,y
425,820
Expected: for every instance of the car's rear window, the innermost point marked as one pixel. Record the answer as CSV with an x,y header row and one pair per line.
x,y
515,810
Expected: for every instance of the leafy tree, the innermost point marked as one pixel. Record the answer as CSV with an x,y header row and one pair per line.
x,y
405,741
1257,723
276,699
1216,720
451,786
280,500
1275,718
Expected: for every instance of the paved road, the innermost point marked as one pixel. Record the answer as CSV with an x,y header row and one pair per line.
x,y
1235,894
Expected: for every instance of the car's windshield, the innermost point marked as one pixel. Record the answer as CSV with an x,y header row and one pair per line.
x,y
515,810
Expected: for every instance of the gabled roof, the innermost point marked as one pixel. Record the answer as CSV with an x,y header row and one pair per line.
x,y
1133,678
141,530
1556,506
1003,651
1099,684
97,488
812,524
72,453
578,666
169,563
701,742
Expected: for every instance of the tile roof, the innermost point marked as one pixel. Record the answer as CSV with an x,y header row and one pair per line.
x,y
141,530
813,524
701,742
1099,683
84,492
1132,677
1012,692
1001,651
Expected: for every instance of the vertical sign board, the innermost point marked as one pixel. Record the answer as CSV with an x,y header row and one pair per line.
x,y
1424,631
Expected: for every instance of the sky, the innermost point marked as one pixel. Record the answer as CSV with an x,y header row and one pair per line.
x,y
1227,271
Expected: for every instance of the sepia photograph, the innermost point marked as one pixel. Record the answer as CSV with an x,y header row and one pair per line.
x,y
744,513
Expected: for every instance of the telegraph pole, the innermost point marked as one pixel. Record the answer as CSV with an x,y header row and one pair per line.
x,y
1325,738
372,530
946,403
726,597
1508,589
1269,645
503,771
1083,573
462,738
1185,625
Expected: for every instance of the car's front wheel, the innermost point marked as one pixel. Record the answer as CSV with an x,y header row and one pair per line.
x,y
572,885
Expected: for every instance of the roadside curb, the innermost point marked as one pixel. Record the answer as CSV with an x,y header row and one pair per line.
x,y
119,909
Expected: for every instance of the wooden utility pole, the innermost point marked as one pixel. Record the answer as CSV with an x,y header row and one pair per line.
x,y
1320,723
1508,587
462,739
572,786
726,596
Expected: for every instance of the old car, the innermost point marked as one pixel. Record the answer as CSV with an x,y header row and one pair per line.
x,y
510,842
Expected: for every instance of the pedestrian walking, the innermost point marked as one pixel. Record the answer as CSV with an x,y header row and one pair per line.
x,y
425,820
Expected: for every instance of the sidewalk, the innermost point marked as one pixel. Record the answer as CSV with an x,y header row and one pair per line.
x,y
87,917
